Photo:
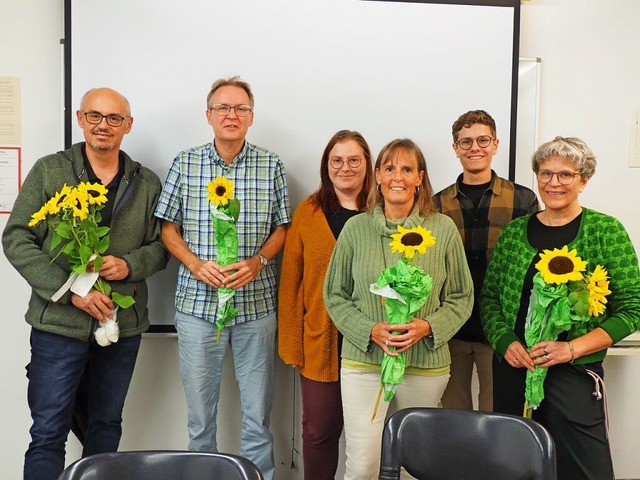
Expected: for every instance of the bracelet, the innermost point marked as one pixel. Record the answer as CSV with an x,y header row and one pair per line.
x,y
573,354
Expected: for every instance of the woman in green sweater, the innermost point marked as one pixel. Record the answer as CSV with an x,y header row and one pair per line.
x,y
573,408
403,198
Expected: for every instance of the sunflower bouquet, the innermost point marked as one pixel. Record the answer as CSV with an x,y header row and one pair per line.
x,y
563,295
225,210
405,288
73,216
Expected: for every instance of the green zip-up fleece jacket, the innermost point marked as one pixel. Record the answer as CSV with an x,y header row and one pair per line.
x,y
601,240
362,252
134,237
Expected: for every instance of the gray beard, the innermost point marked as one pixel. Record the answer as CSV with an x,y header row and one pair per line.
x,y
102,147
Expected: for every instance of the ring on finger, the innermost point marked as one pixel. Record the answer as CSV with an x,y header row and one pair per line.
x,y
545,351
548,357
387,342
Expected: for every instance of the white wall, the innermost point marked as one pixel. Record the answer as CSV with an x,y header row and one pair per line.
x,y
590,80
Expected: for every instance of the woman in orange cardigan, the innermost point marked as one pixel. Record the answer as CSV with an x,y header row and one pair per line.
x,y
307,338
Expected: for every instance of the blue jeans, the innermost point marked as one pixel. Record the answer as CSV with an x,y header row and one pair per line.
x,y
201,357
56,367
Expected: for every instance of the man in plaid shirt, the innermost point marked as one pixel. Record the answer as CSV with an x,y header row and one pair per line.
x,y
480,203
188,233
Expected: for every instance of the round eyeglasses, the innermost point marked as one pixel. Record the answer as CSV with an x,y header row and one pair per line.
x,y
466,143
338,162
565,177
95,118
223,109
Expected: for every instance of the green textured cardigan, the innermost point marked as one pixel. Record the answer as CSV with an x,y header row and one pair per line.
x,y
362,252
135,237
602,240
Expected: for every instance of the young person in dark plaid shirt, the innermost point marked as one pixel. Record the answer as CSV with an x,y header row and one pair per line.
x,y
481,204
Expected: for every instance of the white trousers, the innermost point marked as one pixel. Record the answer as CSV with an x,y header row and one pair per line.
x,y
362,434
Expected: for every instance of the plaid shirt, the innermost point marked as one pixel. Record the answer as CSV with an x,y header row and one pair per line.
x,y
480,228
261,188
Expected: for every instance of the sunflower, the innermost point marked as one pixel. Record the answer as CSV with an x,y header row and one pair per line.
x,y
598,286
59,200
220,191
96,192
39,216
79,202
561,266
408,241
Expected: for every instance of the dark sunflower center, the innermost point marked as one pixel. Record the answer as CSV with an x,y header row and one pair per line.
x,y
93,193
78,204
411,239
560,265
220,191
62,199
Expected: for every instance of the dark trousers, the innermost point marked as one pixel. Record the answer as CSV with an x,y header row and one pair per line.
x,y
321,428
57,365
571,412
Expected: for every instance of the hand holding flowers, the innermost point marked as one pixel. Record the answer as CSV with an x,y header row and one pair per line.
x,y
225,210
562,297
405,288
73,216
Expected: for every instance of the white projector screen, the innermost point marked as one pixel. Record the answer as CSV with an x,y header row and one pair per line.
x,y
387,69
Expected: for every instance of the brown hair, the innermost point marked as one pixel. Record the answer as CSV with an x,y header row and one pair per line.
x,y
424,197
470,118
325,197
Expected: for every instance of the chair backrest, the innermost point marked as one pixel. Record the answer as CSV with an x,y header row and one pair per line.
x,y
162,465
447,444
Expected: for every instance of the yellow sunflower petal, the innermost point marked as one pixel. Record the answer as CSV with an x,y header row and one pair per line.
x,y
220,191
598,286
79,201
410,241
96,192
59,200
561,266
39,216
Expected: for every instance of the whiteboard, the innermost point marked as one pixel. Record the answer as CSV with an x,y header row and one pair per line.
x,y
387,69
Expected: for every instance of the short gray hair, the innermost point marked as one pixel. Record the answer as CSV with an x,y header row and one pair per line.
x,y
571,148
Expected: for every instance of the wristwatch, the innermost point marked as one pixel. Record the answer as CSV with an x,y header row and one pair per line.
x,y
263,260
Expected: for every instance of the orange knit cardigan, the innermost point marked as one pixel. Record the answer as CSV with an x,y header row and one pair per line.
x,y
306,336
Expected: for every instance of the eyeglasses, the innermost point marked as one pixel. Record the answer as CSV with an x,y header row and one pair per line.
x,y
95,118
564,177
337,162
223,109
466,143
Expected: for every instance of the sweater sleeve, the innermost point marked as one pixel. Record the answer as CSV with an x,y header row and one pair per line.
x,y
290,296
25,247
621,262
150,256
497,328
339,292
456,295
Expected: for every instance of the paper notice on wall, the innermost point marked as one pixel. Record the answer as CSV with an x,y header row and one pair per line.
x,y
9,177
10,111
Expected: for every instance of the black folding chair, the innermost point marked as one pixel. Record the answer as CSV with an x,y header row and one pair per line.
x,y
162,465
447,444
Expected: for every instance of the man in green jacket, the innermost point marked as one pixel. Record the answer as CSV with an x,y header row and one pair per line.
x,y
62,333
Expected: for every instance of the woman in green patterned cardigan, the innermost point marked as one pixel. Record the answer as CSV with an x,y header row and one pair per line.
x,y
573,409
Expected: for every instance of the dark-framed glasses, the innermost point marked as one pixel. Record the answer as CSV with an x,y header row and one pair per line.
x,y
113,120
224,109
338,162
565,177
466,143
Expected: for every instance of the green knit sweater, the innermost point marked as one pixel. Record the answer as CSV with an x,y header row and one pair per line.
x,y
362,252
601,240
134,237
